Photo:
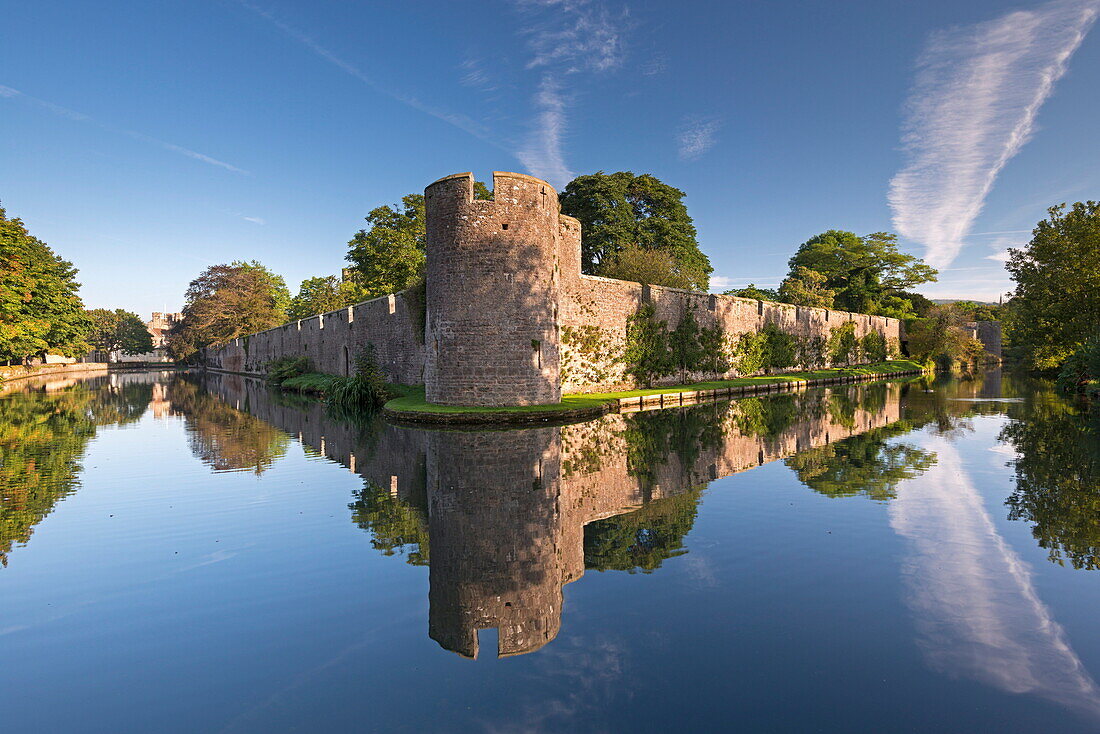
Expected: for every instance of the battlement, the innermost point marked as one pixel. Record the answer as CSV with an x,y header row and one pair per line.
x,y
509,190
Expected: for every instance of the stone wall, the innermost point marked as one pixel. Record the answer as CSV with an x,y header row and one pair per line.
x,y
393,325
508,318
989,334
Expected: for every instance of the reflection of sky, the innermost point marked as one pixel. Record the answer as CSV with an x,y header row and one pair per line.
x,y
975,604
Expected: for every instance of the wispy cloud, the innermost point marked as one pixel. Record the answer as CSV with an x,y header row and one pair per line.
x,y
255,220
9,93
474,74
565,38
543,151
974,104
697,135
462,122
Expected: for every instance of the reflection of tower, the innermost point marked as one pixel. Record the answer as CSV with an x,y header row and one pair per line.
x,y
160,405
495,532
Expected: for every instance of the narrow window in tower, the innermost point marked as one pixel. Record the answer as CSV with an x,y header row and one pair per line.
x,y
536,346
504,225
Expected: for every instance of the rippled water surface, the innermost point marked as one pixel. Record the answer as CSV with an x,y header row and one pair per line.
x,y
199,554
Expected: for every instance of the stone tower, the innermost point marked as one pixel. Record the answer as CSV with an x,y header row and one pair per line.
x,y
491,335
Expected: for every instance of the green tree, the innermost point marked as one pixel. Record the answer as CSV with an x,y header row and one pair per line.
x,y
943,338
388,257
119,331
326,293
805,287
865,273
275,285
223,303
751,291
639,265
1056,305
684,347
40,310
620,210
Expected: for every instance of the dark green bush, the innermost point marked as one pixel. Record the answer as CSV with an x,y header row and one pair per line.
x,y
280,370
367,389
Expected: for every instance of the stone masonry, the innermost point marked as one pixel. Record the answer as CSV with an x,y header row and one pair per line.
x,y
507,318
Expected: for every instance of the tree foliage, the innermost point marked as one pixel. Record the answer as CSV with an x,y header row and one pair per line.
x,y
805,287
326,293
640,265
621,210
1056,305
866,274
751,291
942,337
388,256
119,331
225,302
40,310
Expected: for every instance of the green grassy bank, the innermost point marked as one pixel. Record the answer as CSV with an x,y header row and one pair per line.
x,y
411,399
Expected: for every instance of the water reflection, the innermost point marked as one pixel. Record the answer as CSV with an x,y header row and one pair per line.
x,y
505,519
45,426
973,598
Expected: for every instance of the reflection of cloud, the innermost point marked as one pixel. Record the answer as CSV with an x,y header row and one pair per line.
x,y
975,604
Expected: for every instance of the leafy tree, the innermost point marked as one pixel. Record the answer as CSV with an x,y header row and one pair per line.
x,y
873,345
941,337
275,284
646,352
1056,305
685,350
326,293
780,348
639,265
978,311
388,257
843,344
620,210
119,331
866,273
223,303
40,310
751,291
918,304
805,287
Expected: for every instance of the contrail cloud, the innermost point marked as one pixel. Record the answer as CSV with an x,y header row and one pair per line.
x,y
973,106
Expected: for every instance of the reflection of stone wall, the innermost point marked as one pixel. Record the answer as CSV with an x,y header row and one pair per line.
x,y
507,509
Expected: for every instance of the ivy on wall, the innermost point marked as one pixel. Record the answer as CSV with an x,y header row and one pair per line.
x,y
844,347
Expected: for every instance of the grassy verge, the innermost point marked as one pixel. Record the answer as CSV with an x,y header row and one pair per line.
x,y
412,397
311,383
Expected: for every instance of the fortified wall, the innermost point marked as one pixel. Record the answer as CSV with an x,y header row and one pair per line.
x,y
507,318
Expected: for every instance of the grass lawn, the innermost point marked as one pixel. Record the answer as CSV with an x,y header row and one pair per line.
x,y
411,397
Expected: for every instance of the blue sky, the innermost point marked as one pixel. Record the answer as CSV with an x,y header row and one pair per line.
x,y
146,139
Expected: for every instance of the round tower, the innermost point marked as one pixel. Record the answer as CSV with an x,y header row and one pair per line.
x,y
491,335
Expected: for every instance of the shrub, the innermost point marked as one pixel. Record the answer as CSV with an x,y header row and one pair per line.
x,y
367,389
646,352
811,352
874,347
280,370
750,356
1081,372
780,348
843,344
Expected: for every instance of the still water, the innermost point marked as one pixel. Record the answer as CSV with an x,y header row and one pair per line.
x,y
186,554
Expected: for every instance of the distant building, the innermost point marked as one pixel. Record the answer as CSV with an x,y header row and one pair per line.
x,y
158,327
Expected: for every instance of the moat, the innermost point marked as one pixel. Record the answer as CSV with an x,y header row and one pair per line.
x,y
198,553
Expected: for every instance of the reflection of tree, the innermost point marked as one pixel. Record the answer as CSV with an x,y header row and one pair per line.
x,y
395,526
866,464
223,437
768,417
42,440
1057,478
643,539
653,437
